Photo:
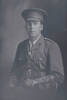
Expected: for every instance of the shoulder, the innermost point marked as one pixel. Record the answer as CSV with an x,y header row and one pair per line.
x,y
53,48
22,43
51,43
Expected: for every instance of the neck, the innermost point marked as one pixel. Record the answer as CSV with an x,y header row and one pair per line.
x,y
32,39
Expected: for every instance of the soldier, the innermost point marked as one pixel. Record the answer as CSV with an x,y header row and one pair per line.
x,y
38,62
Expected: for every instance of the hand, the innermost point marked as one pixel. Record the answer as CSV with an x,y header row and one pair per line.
x,y
48,81
29,82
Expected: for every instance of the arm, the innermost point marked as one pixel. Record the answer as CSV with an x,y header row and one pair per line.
x,y
56,63
17,69
56,72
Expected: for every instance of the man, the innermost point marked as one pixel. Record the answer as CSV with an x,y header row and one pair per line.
x,y
38,61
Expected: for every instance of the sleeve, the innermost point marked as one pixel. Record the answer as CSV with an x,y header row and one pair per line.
x,y
20,57
17,69
56,63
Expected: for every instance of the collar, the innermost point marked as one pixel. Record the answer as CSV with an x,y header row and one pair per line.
x,y
34,42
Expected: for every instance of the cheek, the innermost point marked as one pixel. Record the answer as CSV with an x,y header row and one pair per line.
x,y
26,27
40,26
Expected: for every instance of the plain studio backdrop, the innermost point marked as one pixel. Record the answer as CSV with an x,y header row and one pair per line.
x,y
12,31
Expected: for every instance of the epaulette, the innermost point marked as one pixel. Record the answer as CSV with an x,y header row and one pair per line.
x,y
50,40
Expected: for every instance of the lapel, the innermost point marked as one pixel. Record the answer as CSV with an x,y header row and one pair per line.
x,y
39,52
39,46
39,43
39,49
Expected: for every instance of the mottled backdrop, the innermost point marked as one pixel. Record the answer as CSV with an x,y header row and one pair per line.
x,y
12,31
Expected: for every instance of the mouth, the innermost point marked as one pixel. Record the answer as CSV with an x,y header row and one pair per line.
x,y
32,31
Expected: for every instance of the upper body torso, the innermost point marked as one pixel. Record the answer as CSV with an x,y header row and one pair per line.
x,y
44,58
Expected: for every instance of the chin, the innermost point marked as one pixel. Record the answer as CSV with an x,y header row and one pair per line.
x,y
33,35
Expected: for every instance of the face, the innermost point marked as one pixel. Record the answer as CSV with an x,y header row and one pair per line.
x,y
34,28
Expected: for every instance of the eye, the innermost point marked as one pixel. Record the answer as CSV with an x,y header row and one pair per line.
x,y
28,23
35,23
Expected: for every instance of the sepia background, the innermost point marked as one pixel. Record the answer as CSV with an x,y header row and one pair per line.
x,y
12,31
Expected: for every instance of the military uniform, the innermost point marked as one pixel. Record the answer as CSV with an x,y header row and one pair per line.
x,y
44,58
38,66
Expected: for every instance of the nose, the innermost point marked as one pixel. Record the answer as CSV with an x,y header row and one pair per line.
x,y
31,25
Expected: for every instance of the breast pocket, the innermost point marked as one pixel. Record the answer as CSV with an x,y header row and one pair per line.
x,y
40,58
